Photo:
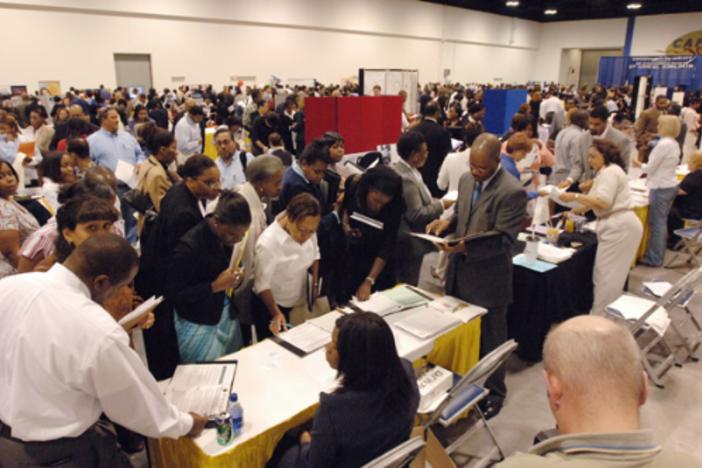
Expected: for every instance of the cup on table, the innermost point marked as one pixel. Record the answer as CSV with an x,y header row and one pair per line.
x,y
531,251
552,235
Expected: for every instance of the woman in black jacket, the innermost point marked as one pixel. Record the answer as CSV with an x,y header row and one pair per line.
x,y
200,282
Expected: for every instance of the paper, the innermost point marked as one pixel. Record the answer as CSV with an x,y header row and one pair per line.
x,y
538,266
457,308
374,223
455,143
657,288
638,185
433,239
555,195
552,254
378,304
541,212
138,313
306,337
632,308
202,388
404,296
426,322
126,173
326,322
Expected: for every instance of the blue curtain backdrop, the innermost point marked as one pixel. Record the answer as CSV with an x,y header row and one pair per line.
x,y
664,70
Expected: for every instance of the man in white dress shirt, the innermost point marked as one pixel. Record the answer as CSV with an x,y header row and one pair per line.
x,y
64,361
188,133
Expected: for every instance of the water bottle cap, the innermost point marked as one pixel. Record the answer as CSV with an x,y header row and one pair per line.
x,y
233,397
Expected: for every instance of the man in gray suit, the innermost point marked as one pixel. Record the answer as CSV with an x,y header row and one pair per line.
x,y
421,207
480,271
580,172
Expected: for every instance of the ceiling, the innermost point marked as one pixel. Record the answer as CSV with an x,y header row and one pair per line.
x,y
575,9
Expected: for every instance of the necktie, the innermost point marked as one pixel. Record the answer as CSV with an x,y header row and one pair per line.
x,y
476,194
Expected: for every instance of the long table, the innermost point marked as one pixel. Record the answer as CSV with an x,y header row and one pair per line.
x,y
280,391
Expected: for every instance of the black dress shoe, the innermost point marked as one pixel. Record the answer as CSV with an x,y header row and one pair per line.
x,y
490,407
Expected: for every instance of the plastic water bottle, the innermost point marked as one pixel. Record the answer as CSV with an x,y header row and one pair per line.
x,y
236,411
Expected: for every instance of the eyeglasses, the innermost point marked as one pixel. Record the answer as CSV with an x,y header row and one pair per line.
x,y
210,183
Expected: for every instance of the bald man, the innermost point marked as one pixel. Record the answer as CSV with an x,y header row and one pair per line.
x,y
64,361
490,200
595,385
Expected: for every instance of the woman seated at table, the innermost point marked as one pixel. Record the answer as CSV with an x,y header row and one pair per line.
x,y
200,281
286,253
16,223
374,406
619,231
367,263
688,203
57,169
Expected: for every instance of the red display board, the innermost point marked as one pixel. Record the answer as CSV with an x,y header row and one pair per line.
x,y
364,121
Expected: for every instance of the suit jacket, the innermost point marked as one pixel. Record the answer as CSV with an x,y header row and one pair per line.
x,y
195,263
581,169
439,145
483,274
352,427
421,209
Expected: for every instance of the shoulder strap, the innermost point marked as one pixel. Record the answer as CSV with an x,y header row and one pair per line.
x,y
244,159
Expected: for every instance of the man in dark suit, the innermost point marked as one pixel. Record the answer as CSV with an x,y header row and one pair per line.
x,y
438,143
480,271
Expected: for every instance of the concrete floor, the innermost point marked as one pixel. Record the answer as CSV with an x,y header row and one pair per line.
x,y
674,412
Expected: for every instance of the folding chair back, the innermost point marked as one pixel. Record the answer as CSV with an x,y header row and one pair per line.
x,y
690,245
398,456
464,397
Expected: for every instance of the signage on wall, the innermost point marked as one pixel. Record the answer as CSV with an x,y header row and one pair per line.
x,y
689,44
661,63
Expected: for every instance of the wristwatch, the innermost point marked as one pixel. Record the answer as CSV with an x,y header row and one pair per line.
x,y
370,280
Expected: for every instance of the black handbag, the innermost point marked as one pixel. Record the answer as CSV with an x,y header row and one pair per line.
x,y
137,199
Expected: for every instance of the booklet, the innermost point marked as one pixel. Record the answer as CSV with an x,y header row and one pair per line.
x,y
202,388
138,314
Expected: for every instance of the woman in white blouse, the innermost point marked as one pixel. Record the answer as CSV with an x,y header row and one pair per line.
x,y
663,185
285,253
619,231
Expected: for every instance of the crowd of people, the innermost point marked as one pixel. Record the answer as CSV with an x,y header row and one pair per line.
x,y
236,243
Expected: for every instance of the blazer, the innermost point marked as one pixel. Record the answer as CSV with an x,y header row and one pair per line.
x,y
294,184
581,170
195,263
421,209
352,427
439,145
483,274
154,181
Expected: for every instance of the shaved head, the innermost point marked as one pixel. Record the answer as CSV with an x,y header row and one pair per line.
x,y
75,111
484,156
595,357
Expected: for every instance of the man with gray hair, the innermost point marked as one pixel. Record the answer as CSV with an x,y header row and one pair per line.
x,y
595,385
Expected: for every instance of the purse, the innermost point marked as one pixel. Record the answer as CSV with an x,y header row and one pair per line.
x,y
138,199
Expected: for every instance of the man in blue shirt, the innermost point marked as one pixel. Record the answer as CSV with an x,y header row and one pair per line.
x,y
109,145
231,161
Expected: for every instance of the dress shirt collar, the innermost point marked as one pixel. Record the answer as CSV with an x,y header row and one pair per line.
x,y
431,118
636,442
486,183
228,162
298,170
110,134
65,276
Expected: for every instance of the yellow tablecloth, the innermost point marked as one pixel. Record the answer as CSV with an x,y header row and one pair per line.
x,y
457,350
642,213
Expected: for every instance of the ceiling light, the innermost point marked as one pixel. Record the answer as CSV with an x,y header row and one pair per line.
x,y
550,11
512,3
633,6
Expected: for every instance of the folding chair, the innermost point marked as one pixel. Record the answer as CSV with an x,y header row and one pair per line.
x,y
657,356
690,245
464,397
399,456
681,301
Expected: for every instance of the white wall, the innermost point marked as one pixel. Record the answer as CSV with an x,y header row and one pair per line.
x,y
207,41
652,34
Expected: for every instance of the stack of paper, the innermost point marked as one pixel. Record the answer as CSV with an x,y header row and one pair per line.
x,y
461,310
657,288
378,304
426,322
535,265
632,308
405,296
552,254
306,337
555,194
327,321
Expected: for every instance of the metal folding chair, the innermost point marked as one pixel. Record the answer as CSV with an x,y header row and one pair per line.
x,y
399,456
464,397
657,356
690,246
